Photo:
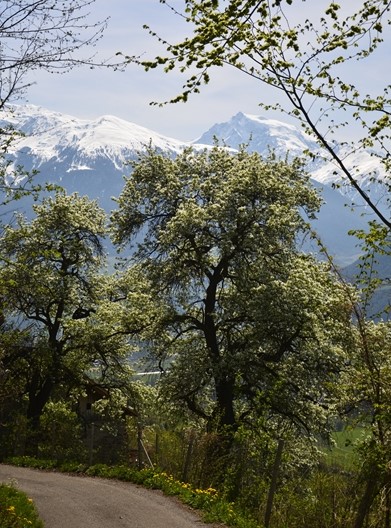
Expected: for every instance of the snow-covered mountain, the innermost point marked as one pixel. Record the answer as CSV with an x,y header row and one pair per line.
x,y
48,134
91,157
262,134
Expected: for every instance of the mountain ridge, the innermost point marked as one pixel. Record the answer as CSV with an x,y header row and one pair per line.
x,y
92,157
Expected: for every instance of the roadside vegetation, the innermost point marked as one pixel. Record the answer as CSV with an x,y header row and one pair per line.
x,y
211,503
17,510
324,493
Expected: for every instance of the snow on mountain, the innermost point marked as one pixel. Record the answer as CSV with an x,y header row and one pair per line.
x,y
366,168
261,135
48,134
336,217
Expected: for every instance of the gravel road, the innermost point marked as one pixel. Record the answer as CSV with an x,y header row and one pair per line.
x,y
67,501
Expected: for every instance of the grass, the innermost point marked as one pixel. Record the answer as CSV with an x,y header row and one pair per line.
x,y
343,453
17,510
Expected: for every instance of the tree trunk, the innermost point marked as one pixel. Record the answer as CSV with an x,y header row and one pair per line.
x,y
371,490
38,397
222,427
273,484
223,422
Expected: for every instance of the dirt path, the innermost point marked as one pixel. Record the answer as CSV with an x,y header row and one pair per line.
x,y
67,501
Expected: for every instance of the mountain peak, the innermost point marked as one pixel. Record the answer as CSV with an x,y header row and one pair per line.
x,y
260,134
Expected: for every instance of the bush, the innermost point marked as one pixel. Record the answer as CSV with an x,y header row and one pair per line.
x,y
61,434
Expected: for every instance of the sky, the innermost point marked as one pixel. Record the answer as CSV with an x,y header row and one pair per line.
x,y
89,94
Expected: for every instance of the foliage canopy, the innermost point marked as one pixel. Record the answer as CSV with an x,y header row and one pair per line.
x,y
246,325
46,281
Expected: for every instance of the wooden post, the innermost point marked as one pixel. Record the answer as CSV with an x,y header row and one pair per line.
x,y
189,453
273,483
139,446
92,439
157,448
146,454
